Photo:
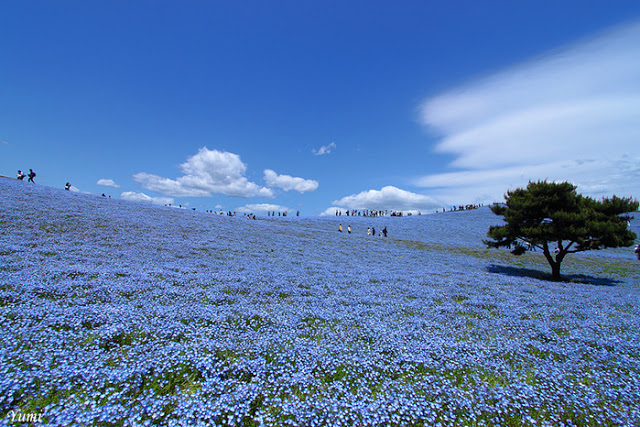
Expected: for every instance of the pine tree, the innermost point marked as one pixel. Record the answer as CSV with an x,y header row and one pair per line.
x,y
547,212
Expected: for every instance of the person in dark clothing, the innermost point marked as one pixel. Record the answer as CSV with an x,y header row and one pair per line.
x,y
31,175
384,231
20,176
67,186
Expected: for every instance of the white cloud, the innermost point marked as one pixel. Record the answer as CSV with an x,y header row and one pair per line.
x,y
325,149
573,115
168,186
206,173
388,198
107,183
287,182
4,142
262,208
141,197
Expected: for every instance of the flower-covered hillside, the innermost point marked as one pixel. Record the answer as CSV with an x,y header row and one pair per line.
x,y
118,313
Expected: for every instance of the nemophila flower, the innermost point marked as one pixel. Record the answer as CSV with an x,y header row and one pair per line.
x,y
146,315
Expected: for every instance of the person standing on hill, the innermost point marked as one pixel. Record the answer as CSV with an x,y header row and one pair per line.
x,y
20,176
349,229
31,175
384,231
637,251
340,228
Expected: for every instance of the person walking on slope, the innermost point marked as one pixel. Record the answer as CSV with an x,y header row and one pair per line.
x,y
31,175
349,229
340,228
20,176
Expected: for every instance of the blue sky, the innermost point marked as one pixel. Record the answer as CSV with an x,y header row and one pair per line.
x,y
287,105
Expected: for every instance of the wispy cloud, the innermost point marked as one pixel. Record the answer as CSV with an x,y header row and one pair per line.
x,y
4,142
287,182
107,183
325,149
388,198
141,197
572,115
207,172
262,208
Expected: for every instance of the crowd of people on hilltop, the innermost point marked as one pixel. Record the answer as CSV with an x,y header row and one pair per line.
x,y
221,212
251,215
468,207
377,213
371,231
285,213
371,213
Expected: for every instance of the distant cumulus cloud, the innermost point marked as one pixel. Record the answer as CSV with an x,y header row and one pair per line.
x,y
388,198
107,183
287,182
141,197
325,149
207,172
573,115
262,208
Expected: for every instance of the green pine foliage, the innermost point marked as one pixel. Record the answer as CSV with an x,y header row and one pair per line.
x,y
556,219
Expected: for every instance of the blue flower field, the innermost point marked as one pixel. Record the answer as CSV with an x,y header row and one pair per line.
x,y
120,314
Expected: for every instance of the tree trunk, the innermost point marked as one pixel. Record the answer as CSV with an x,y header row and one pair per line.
x,y
554,263
555,271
